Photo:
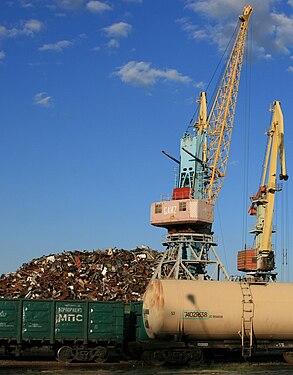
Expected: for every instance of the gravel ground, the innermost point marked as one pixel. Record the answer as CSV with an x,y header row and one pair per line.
x,y
134,368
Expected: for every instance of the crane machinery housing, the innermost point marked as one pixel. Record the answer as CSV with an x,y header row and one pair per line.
x,y
189,215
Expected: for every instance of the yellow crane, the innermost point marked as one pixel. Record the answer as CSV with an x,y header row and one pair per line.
x,y
221,117
260,261
189,215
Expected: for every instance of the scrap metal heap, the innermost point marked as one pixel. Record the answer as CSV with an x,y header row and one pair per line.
x,y
111,275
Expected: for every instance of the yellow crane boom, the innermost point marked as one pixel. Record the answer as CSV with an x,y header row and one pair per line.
x,y
269,178
264,201
221,117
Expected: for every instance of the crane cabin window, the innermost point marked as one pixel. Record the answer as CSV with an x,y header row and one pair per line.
x,y
182,206
158,208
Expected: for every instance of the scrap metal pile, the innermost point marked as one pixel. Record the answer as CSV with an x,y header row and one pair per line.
x,y
111,275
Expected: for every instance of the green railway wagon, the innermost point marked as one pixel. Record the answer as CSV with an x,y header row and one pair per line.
x,y
136,311
135,335
96,328
36,321
10,316
73,330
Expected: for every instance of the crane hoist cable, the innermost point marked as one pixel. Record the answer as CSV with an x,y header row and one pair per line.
x,y
287,232
247,129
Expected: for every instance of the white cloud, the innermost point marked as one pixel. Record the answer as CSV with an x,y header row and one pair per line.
x,y
95,6
113,43
56,47
3,31
97,48
82,36
2,55
70,4
28,28
32,27
194,31
24,4
142,74
267,57
118,30
43,99
214,9
134,1
274,36
263,54
218,34
290,69
282,32
200,85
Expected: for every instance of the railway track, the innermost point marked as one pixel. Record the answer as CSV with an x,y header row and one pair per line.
x,y
50,367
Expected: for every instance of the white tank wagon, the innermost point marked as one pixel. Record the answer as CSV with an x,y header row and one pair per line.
x,y
219,314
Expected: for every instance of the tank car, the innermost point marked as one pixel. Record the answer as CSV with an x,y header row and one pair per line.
x,y
207,315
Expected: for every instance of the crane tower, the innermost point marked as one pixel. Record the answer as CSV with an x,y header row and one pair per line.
x,y
189,215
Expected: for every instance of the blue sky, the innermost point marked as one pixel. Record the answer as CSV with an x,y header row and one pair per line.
x,y
92,91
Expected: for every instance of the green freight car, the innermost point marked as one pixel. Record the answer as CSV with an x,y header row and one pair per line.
x,y
73,330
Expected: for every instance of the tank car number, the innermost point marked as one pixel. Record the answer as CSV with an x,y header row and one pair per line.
x,y
196,314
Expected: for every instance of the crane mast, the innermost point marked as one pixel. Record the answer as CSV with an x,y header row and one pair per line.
x,y
189,215
259,262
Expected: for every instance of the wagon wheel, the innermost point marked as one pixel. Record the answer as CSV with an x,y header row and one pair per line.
x,y
133,350
154,357
101,354
65,354
196,358
288,357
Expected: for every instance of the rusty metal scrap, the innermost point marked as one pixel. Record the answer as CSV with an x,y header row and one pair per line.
x,y
111,275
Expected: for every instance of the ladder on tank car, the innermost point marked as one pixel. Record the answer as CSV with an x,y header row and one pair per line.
x,y
247,334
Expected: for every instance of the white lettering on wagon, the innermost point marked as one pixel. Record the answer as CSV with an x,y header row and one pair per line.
x,y
68,318
196,314
69,314
200,314
3,314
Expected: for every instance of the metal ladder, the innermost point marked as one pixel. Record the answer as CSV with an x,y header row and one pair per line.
x,y
247,334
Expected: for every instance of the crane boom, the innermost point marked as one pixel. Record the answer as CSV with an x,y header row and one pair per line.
x,y
264,201
275,147
221,116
